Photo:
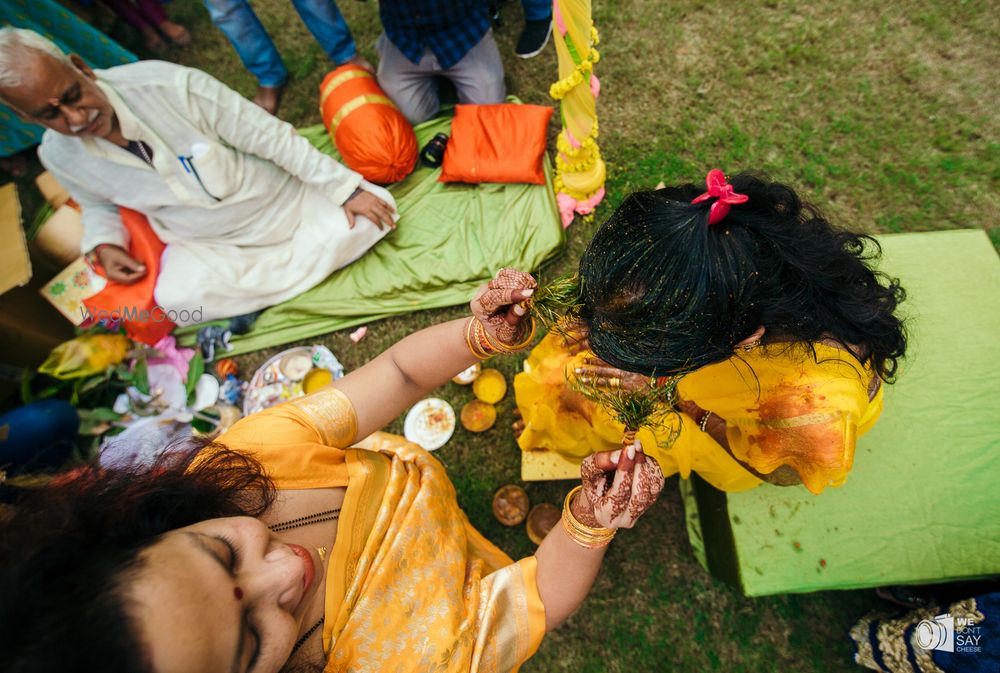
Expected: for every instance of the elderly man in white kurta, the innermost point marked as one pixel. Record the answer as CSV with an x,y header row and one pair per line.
x,y
251,214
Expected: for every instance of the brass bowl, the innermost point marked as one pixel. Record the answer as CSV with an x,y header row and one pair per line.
x,y
490,386
541,519
510,505
478,416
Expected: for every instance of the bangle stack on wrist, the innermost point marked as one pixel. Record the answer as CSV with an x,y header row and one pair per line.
x,y
483,346
583,535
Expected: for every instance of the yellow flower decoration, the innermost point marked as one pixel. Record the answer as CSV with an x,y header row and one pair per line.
x,y
85,355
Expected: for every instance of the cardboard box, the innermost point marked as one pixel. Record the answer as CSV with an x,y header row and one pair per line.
x,y
16,268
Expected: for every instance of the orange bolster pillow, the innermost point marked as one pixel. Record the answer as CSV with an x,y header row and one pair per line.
x,y
371,134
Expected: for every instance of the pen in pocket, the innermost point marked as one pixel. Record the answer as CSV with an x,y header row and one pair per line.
x,y
189,168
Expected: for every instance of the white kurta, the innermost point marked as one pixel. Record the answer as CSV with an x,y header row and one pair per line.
x,y
250,211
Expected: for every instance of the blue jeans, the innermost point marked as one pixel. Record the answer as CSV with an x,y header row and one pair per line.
x,y
536,10
236,19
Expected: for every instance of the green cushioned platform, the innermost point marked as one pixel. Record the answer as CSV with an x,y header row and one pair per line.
x,y
922,503
450,239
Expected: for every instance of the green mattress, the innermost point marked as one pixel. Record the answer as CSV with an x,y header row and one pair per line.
x,y
450,239
922,503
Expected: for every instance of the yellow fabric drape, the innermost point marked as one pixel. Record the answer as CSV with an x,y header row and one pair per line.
x,y
782,406
580,171
411,585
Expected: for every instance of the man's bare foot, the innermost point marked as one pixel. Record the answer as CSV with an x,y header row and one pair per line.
x,y
175,32
361,62
153,40
269,97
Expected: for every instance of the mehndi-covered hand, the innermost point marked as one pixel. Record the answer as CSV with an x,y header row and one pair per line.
x,y
619,487
497,305
600,373
576,337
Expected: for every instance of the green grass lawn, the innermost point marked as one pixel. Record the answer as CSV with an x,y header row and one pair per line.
x,y
883,114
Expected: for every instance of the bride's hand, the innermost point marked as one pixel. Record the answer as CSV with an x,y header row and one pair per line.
x,y
576,337
618,487
600,373
498,305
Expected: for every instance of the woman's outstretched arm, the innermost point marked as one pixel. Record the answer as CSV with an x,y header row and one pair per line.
x,y
383,388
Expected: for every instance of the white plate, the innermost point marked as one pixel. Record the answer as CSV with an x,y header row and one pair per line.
x,y
430,423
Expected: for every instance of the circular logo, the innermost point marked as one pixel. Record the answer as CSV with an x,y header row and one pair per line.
x,y
931,635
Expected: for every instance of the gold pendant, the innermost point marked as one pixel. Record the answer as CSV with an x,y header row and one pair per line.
x,y
322,553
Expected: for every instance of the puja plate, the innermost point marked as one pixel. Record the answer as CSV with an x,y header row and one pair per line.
x,y
430,423
271,384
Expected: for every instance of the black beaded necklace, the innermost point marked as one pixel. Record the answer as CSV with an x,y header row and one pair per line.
x,y
318,517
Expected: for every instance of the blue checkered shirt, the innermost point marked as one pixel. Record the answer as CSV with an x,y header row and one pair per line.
x,y
449,27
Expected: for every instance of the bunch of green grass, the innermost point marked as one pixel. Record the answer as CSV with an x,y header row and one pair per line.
x,y
648,406
558,304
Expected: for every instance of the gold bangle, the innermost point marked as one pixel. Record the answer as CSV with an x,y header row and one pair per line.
x,y
502,347
583,535
472,341
483,339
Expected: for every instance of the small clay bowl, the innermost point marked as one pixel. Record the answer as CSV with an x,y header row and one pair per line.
x,y
510,505
490,386
541,519
295,365
316,378
467,376
477,416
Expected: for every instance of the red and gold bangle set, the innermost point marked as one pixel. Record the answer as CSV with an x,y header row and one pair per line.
x,y
484,346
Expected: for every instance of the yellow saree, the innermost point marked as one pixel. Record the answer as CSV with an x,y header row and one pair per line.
x,y
782,404
411,585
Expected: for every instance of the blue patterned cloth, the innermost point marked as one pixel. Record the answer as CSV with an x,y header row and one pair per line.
x,y
450,28
73,35
963,637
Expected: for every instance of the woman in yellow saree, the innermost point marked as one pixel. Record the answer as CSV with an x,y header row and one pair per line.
x,y
774,323
303,539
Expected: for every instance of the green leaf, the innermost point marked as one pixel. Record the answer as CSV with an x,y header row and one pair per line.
x,y
141,378
94,382
195,369
51,391
26,396
98,414
123,374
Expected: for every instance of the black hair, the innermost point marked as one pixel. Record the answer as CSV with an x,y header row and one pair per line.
x,y
67,550
665,293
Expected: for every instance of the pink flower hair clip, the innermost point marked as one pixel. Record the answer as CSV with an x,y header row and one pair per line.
x,y
723,192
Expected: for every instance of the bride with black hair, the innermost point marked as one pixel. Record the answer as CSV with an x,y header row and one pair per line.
x,y
774,321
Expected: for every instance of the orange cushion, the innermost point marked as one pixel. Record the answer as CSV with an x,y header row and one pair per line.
x,y
496,143
371,134
136,298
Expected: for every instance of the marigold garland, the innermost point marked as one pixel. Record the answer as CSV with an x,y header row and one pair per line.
x,y
580,170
